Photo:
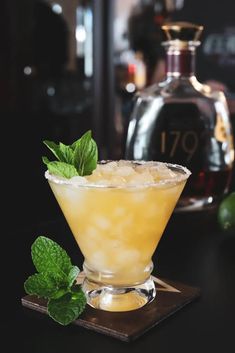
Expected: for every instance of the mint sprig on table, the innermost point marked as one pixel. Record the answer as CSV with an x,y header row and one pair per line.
x,y
55,280
78,159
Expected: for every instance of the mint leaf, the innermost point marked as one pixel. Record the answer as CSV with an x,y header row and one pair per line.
x,y
49,257
85,154
73,273
45,160
67,308
41,285
62,152
55,149
67,153
61,168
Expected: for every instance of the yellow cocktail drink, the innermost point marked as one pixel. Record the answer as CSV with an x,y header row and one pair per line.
x,y
117,216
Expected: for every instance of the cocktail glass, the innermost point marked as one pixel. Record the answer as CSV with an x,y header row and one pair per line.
x,y
117,229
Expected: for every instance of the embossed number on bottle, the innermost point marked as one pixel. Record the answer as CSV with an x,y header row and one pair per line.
x,y
174,141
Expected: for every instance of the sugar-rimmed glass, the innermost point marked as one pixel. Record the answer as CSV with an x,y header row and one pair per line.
x,y
117,228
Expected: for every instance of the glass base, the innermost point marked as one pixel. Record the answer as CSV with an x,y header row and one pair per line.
x,y
118,299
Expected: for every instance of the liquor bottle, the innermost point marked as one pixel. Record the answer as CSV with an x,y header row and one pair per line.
x,y
181,120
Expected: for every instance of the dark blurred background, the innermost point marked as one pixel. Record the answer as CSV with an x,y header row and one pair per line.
x,y
70,66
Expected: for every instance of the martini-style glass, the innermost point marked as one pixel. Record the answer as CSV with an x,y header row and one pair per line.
x,y
118,227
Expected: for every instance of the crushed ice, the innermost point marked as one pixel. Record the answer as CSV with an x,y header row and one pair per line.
x,y
125,173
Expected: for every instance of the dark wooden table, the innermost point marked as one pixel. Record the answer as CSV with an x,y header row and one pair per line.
x,y
193,250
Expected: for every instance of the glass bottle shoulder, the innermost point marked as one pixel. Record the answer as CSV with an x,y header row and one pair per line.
x,y
179,94
181,89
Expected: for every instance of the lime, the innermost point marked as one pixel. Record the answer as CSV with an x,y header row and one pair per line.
x,y
226,212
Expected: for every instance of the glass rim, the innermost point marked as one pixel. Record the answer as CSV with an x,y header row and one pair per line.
x,y
181,177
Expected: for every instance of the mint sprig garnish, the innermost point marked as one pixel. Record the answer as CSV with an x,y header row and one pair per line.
x,y
55,281
79,158
85,154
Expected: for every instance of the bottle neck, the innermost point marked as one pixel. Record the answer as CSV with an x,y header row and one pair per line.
x,y
180,62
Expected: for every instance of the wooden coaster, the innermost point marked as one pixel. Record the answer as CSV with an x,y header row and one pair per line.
x,y
127,326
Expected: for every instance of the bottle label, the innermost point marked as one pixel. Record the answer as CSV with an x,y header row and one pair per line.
x,y
180,136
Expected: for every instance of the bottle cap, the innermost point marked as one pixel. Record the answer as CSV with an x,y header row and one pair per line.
x,y
183,32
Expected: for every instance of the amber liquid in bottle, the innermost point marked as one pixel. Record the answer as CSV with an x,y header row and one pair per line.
x,y
182,121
